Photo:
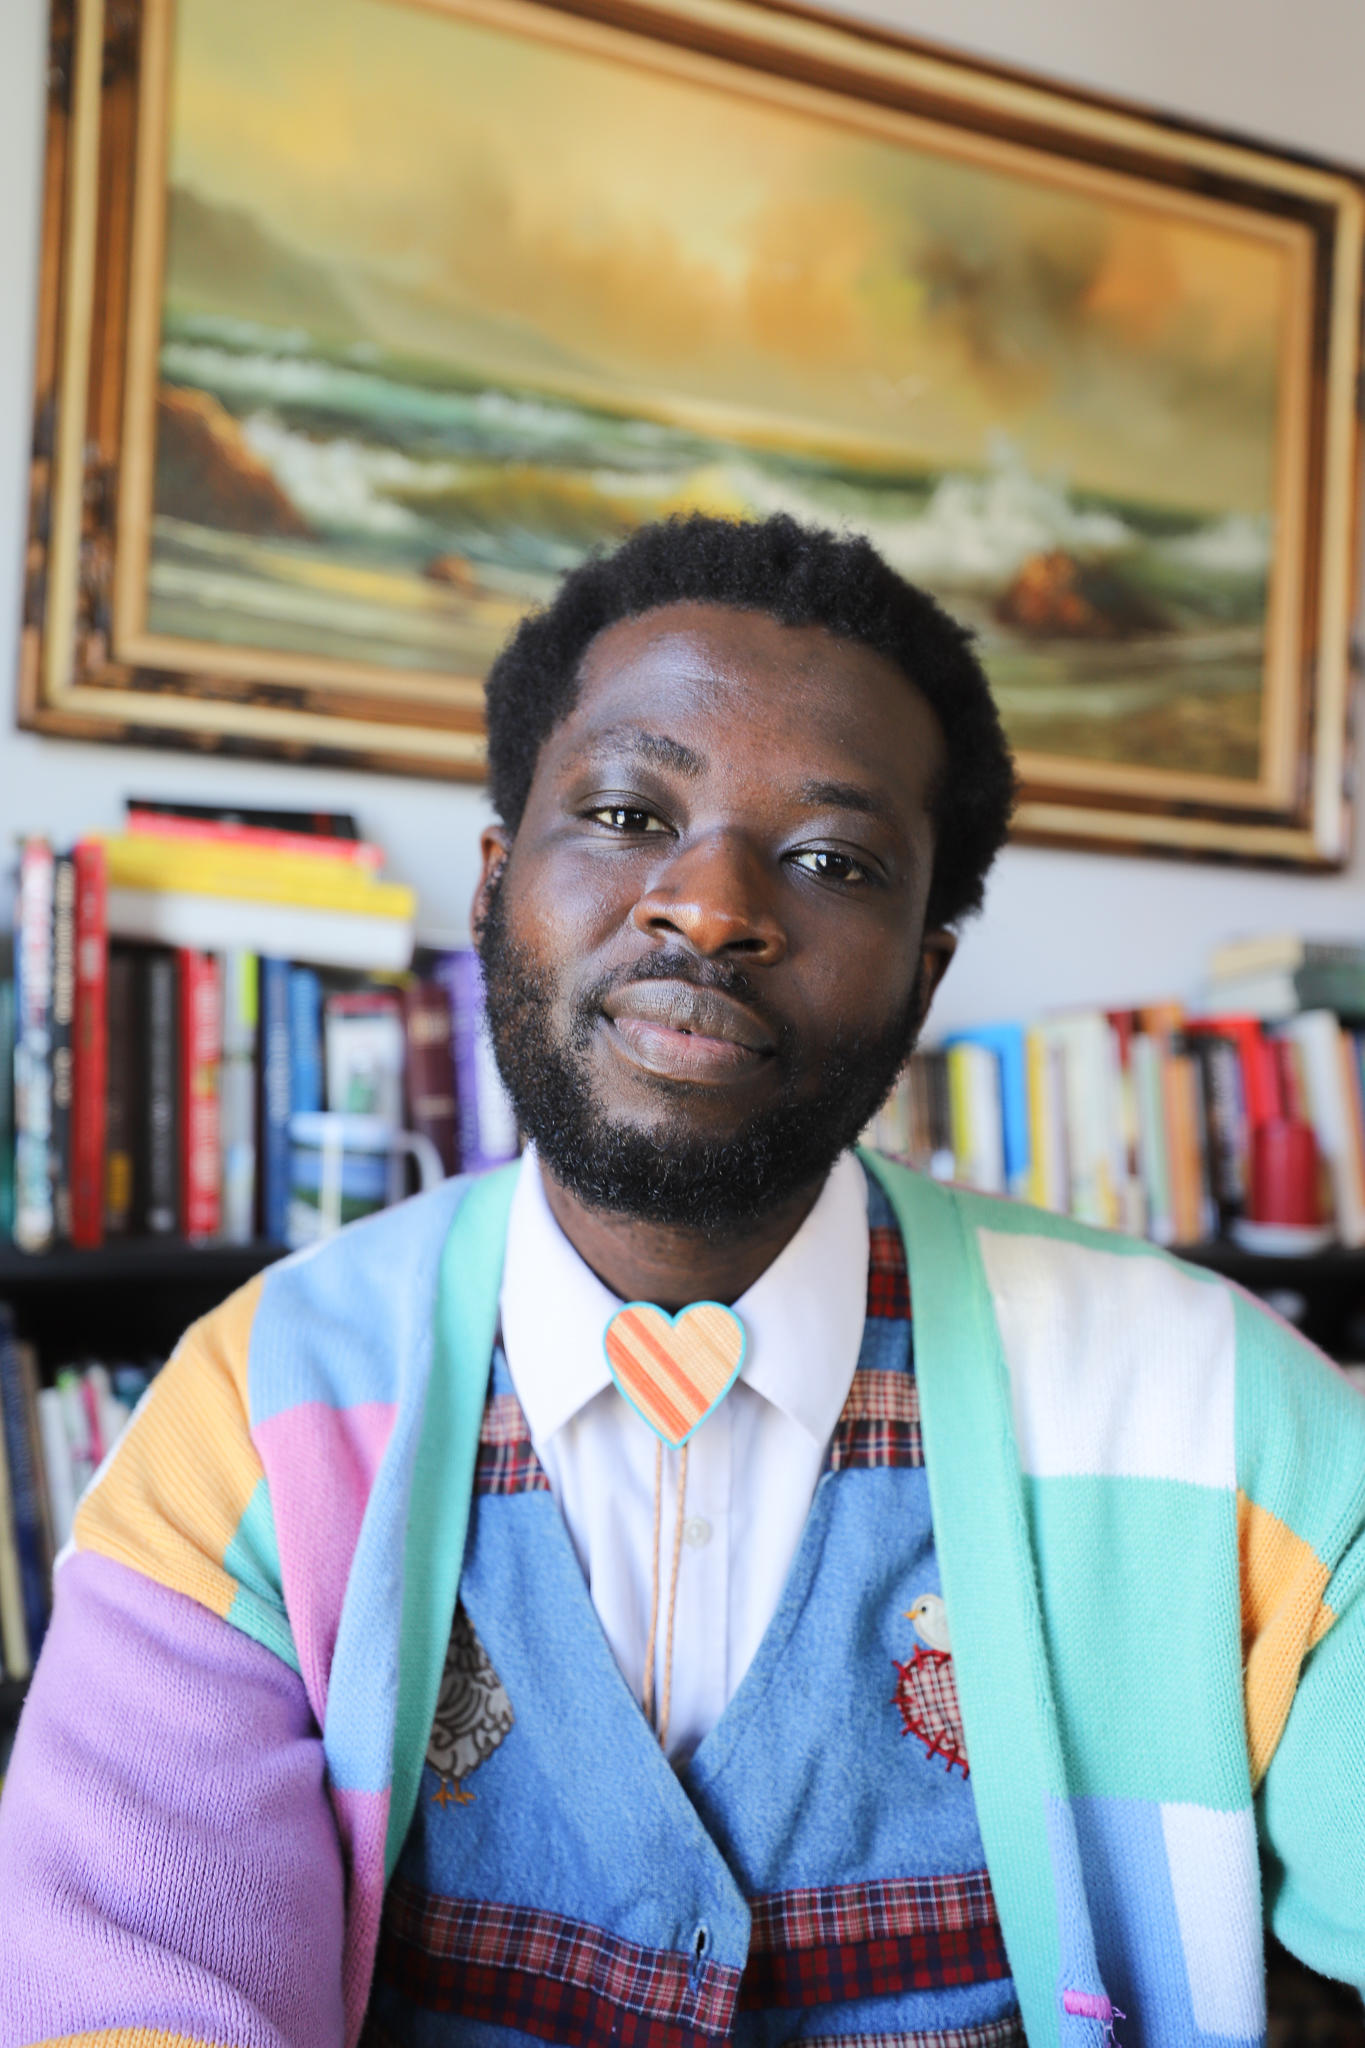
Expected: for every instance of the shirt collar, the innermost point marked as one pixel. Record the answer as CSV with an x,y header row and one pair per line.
x,y
803,1317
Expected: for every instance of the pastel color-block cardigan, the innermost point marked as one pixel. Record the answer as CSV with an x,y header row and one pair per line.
x,y
1148,1499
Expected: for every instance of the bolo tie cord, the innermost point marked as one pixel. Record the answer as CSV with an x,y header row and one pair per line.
x,y
647,1690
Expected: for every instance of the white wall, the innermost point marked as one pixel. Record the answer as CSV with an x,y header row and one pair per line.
x,y
1059,927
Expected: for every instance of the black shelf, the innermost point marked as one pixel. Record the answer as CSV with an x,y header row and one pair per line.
x,y
134,1262
129,1300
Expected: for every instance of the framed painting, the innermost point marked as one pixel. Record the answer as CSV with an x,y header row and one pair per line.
x,y
362,320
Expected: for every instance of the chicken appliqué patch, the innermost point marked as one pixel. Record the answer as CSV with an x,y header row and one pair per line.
x,y
926,1687
473,1713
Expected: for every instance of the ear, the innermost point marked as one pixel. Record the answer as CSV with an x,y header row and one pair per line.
x,y
936,951
495,844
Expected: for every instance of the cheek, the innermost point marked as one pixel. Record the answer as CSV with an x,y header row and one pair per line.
x,y
561,911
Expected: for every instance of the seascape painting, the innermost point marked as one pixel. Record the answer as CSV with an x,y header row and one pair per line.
x,y
444,306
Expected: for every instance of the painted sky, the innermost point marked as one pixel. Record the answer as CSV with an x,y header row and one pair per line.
x,y
681,249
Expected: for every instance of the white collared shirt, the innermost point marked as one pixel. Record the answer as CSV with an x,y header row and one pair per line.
x,y
752,1466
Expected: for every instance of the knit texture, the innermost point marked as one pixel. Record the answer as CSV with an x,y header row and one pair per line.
x,y
1148,1502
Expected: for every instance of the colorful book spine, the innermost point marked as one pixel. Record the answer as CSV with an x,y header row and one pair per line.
x,y
275,1100
33,1216
305,1040
237,1095
90,1039
488,1127
201,1053
121,1091
63,1057
158,1157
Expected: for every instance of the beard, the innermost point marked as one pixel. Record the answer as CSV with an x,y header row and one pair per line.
x,y
667,1174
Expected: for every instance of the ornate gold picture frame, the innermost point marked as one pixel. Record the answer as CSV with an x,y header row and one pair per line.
x,y
363,319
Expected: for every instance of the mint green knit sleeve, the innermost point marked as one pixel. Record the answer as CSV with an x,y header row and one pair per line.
x,y
1311,1807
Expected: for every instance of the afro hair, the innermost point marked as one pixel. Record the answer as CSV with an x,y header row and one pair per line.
x,y
800,576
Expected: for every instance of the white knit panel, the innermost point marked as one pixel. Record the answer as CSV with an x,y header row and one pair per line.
x,y
1212,1858
1120,1364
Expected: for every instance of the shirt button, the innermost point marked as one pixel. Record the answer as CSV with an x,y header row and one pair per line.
x,y
696,1532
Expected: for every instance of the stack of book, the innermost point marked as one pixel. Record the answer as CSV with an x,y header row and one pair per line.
x,y
1142,1119
179,992
53,1439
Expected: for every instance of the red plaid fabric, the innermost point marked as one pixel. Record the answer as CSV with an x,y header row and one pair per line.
x,y
879,1423
506,1462
1003,2033
833,1945
926,1693
888,1283
820,1915
561,1980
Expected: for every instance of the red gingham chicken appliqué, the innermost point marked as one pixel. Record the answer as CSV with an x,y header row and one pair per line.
x,y
926,1687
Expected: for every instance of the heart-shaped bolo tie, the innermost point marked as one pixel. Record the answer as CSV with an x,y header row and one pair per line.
x,y
674,1371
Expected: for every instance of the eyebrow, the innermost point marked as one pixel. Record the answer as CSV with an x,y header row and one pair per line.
x,y
844,796
654,747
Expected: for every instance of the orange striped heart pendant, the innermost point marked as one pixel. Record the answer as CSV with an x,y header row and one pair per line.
x,y
674,1370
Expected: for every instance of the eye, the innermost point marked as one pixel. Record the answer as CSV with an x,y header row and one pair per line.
x,y
832,866
626,818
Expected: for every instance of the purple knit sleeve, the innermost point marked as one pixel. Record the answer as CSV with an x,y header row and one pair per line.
x,y
168,1857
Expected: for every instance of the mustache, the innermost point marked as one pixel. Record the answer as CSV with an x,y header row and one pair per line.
x,y
722,976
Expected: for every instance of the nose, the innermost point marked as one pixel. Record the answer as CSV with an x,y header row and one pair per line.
x,y
716,896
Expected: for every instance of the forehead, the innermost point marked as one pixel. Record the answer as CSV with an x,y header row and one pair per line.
x,y
744,689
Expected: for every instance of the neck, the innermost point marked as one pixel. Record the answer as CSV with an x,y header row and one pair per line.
x,y
669,1265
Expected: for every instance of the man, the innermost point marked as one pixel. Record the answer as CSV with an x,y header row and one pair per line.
x,y
582,1605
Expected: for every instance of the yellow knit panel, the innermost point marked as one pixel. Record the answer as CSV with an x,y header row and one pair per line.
x,y
126,2037
1283,1616
171,1499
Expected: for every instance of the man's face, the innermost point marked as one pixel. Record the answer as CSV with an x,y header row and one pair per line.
x,y
705,953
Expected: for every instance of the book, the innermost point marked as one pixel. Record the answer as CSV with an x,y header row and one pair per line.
x,y
1148,1054
323,824
1007,1043
305,1040
253,874
121,1091
29,1530
1089,1072
357,853
488,1126
6,1088
274,1168
156,1159
237,1096
1227,1128
89,1081
27,1355
975,1109
429,1070
372,940
1191,1207
1283,953
33,1212
62,1055
14,1644
363,1051
1276,993
1330,1109
58,1467
1049,1170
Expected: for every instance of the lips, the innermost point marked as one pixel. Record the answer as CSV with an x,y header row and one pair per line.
x,y
681,1032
